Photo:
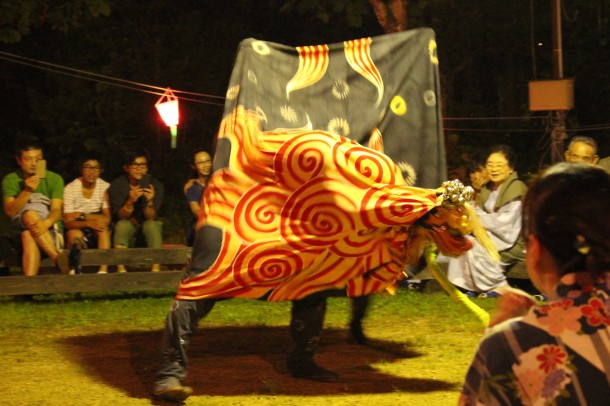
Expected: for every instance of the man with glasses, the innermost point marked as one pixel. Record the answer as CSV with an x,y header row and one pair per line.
x,y
86,208
32,198
135,201
193,189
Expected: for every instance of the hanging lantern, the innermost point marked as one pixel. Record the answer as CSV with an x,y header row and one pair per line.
x,y
167,106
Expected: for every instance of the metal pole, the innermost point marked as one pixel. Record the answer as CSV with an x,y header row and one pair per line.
x,y
557,43
558,134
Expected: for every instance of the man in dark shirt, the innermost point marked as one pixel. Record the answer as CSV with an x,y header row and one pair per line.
x,y
135,200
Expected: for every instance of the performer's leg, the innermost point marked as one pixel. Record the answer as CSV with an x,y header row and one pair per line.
x,y
180,325
360,305
305,327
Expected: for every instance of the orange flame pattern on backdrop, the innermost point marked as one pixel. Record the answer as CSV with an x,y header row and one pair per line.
x,y
313,62
358,55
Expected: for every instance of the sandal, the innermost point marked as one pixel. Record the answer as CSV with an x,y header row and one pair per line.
x,y
490,294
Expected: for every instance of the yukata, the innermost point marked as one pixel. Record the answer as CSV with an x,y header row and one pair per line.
x,y
500,214
557,354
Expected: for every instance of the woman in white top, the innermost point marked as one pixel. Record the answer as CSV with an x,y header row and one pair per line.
x,y
499,210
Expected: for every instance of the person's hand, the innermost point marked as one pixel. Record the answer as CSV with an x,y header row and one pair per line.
x,y
512,303
97,223
32,182
134,193
149,193
477,183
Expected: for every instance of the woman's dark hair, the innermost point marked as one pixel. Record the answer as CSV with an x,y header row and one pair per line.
x,y
131,155
505,150
476,162
567,209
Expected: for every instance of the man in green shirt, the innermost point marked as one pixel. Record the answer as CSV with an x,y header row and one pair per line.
x,y
34,203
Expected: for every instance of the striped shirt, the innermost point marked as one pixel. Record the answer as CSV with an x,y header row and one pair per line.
x,y
75,202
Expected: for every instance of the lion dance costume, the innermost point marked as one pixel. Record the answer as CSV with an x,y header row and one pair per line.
x,y
304,212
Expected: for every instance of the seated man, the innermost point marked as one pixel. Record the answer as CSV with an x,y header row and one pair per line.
x,y
582,150
33,201
193,189
86,208
135,200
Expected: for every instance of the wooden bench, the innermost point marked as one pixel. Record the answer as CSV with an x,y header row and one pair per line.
x,y
138,280
89,281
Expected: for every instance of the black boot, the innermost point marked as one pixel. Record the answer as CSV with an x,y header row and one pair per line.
x,y
305,327
360,305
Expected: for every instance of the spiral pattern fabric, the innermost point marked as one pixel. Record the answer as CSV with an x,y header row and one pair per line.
x,y
330,214
314,169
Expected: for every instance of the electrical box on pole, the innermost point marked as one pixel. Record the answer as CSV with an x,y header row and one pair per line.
x,y
555,94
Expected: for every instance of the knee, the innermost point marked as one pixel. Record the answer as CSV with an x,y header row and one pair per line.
x,y
151,226
29,218
123,227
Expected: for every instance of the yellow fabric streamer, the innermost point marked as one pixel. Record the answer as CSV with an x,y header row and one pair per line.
x,y
451,289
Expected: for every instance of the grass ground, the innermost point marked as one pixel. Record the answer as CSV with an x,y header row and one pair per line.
x,y
103,350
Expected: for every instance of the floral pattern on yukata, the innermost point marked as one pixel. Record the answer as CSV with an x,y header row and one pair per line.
x,y
542,374
550,347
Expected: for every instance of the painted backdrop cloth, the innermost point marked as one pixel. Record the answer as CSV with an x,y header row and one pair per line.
x,y
296,203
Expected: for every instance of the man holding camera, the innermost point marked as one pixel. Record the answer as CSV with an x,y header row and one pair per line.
x,y
33,198
135,200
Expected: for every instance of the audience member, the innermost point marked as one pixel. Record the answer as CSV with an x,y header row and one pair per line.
x,y
135,200
202,164
499,210
86,208
554,353
582,150
477,173
33,200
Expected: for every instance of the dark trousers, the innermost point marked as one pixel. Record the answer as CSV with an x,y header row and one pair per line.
x,y
307,320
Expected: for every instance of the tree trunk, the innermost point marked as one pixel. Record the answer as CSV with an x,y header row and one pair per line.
x,y
391,14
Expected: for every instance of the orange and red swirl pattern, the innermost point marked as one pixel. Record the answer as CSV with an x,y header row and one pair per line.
x,y
304,211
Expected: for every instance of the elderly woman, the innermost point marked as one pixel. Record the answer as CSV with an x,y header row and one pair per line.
x,y
499,210
555,353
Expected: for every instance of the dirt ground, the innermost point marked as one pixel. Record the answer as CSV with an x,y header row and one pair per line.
x,y
228,366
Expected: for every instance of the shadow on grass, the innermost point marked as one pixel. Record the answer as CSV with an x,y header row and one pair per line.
x,y
233,361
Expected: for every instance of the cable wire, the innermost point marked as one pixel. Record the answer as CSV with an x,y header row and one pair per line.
x,y
109,80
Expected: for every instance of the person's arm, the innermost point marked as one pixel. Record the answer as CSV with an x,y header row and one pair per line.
x,y
70,215
188,185
123,206
14,204
154,198
149,208
195,208
54,216
126,210
56,194
98,221
505,224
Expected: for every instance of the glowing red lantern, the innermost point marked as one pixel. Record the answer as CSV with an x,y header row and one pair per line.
x,y
167,106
